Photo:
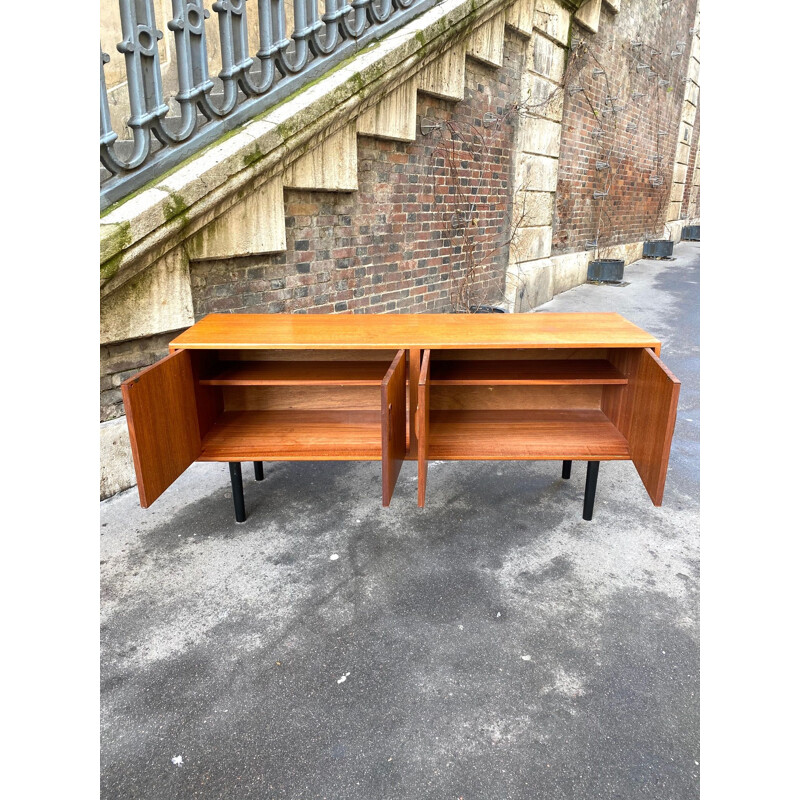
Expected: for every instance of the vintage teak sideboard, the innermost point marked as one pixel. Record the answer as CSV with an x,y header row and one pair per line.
x,y
397,387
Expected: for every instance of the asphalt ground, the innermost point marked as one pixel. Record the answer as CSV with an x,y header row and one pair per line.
x,y
490,646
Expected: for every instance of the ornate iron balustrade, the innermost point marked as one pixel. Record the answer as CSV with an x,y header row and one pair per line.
x,y
246,85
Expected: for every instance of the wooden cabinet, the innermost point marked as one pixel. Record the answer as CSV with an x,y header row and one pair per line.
x,y
392,388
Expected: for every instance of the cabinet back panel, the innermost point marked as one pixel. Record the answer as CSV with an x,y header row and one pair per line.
x,y
553,354
208,398
450,398
275,398
308,355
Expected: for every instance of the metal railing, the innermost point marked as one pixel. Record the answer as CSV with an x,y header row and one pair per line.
x,y
206,106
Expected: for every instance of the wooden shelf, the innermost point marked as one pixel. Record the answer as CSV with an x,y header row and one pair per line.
x,y
524,372
513,435
300,373
294,436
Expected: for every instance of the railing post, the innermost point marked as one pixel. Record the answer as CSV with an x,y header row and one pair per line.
x,y
234,51
107,135
139,45
191,55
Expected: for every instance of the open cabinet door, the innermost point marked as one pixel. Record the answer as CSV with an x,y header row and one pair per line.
x,y
654,406
162,421
393,424
422,420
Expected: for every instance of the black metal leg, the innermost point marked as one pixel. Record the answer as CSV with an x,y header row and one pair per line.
x,y
237,491
592,469
258,467
566,470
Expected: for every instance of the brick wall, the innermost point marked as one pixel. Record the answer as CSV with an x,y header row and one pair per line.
x,y
391,246
634,208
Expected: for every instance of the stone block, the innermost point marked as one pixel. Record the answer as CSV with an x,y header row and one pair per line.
x,y
444,77
694,71
682,154
519,16
692,92
531,244
680,173
540,136
689,113
542,97
331,166
674,211
531,284
536,173
588,14
394,116
673,230
534,208
614,5
254,226
676,193
570,270
116,462
696,47
553,19
486,42
547,58
158,299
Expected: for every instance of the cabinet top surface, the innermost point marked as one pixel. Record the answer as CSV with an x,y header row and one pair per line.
x,y
395,331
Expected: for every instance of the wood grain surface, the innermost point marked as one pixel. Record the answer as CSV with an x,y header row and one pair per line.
x,y
444,331
299,373
422,426
393,424
524,435
518,372
161,410
652,422
304,435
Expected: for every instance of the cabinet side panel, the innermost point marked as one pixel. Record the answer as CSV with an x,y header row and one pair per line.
x,y
617,401
393,424
162,421
652,422
422,426
414,357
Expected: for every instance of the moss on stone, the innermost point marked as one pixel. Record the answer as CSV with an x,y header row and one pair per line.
x,y
110,268
114,239
176,206
251,158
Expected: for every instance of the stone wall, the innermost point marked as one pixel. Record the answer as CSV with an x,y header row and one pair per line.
x,y
120,361
627,135
690,208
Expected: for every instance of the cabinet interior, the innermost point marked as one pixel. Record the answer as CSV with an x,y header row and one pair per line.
x,y
290,404
524,404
